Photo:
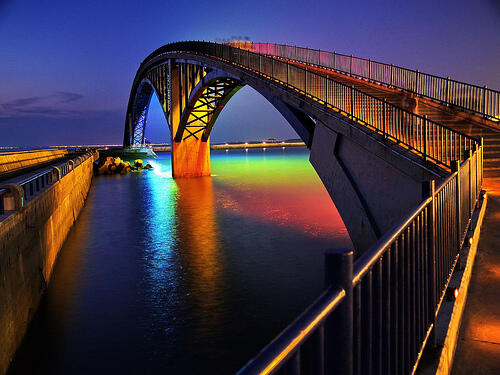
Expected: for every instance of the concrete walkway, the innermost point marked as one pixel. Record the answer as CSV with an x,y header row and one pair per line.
x,y
478,348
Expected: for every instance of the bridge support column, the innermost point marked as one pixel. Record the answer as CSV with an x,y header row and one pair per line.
x,y
190,156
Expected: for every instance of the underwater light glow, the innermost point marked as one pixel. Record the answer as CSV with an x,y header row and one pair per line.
x,y
157,169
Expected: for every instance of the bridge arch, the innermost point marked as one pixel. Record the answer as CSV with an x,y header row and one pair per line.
x,y
192,96
373,183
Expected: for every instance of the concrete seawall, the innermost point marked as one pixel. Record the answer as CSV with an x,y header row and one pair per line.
x,y
30,241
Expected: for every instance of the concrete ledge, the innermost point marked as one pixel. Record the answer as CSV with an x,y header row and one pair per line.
x,y
439,360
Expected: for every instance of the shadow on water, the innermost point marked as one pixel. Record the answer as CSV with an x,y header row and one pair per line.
x,y
186,276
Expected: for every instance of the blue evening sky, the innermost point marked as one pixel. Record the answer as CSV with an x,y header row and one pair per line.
x,y
66,67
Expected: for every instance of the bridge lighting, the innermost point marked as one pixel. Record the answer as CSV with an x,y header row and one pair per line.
x,y
283,147
470,240
452,294
264,149
246,143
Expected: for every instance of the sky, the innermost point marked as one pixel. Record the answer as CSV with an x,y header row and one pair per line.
x,y
66,67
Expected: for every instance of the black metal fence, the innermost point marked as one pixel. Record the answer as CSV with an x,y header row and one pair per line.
x,y
480,100
377,315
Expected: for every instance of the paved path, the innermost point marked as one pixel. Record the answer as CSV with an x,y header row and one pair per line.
x,y
478,348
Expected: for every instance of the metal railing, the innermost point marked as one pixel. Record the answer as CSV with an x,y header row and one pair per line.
x,y
38,182
377,315
477,99
429,139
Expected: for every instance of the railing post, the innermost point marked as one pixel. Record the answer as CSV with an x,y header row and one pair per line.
x,y
447,91
384,117
272,68
326,91
369,69
339,326
455,167
429,191
14,200
334,60
305,80
416,81
350,67
287,72
260,63
392,75
57,172
470,184
426,137
352,102
484,100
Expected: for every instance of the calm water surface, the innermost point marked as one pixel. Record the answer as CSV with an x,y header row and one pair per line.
x,y
189,276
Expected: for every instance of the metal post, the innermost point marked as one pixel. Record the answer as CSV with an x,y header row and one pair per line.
x,y
339,326
447,91
350,67
455,167
352,102
305,80
392,75
484,100
416,81
426,137
384,117
470,183
430,191
260,63
287,72
326,91
272,68
369,69
334,60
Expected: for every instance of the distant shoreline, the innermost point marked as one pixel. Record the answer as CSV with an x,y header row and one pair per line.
x,y
240,146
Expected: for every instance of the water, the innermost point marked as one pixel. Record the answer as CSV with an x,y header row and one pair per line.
x,y
189,276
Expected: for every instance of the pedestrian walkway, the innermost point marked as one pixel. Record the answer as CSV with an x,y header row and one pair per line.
x,y
478,347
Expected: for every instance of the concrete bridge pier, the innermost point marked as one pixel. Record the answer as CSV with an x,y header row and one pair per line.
x,y
373,186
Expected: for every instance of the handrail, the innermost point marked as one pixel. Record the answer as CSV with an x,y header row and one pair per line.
x,y
285,345
372,256
429,139
471,97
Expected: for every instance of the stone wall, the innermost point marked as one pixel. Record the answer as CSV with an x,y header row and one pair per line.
x,y
30,241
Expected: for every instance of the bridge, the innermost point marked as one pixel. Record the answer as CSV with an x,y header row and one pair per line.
x,y
401,154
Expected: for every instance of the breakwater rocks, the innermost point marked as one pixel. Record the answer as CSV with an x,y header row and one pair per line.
x,y
111,165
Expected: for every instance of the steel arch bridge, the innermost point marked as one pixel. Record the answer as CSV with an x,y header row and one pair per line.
x,y
404,183
348,131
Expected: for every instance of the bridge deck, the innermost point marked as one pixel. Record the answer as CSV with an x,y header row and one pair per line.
x,y
471,125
